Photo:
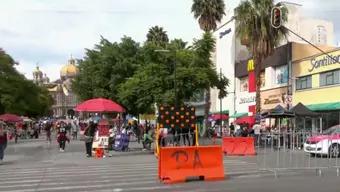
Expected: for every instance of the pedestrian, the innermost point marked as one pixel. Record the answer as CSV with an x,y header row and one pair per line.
x,y
36,130
193,132
3,141
74,128
147,140
257,132
48,127
62,138
89,134
185,135
232,129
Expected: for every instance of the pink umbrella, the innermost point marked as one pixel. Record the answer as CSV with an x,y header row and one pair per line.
x,y
99,105
10,118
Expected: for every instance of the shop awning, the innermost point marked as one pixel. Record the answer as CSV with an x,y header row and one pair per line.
x,y
325,106
238,115
277,112
302,110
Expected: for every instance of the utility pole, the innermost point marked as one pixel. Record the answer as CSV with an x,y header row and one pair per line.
x,y
221,106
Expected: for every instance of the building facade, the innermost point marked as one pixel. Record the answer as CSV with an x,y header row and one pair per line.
x,y
39,78
64,99
317,85
278,73
230,52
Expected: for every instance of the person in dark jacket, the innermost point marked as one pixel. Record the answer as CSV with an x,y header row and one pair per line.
x,y
62,138
3,141
89,134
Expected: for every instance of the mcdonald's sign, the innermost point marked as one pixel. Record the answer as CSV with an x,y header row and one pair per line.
x,y
251,65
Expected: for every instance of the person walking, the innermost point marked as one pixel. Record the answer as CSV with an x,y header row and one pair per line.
x,y
257,132
89,134
48,127
3,141
232,129
74,128
62,138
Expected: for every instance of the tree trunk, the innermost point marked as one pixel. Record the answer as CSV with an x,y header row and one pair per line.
x,y
258,63
207,107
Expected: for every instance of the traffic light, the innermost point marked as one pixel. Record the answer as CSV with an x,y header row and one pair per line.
x,y
276,17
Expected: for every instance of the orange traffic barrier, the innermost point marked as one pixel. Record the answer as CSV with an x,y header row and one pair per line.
x,y
99,153
238,146
178,164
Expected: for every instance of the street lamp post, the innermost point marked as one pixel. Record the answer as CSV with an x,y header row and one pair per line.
x,y
221,107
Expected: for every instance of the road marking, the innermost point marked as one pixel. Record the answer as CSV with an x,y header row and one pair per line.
x,y
87,187
44,183
111,175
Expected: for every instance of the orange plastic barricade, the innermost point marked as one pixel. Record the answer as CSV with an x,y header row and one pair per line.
x,y
178,164
238,146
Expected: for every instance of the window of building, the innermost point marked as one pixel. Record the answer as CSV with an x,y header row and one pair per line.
x,y
263,79
244,84
321,35
329,78
304,82
281,74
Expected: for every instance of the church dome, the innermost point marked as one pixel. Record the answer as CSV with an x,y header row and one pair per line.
x,y
69,70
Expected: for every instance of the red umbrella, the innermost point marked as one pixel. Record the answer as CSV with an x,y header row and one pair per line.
x,y
248,119
219,116
99,105
10,118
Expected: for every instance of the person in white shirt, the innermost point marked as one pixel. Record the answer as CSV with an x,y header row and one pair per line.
x,y
257,132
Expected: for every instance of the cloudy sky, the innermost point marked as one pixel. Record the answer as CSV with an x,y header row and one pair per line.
x,y
49,31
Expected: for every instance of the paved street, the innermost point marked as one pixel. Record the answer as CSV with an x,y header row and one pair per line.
x,y
36,166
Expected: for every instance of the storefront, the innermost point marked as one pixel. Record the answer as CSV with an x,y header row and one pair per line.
x,y
245,94
317,85
273,97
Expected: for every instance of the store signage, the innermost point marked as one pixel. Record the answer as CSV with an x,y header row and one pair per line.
x,y
249,99
324,61
274,99
250,66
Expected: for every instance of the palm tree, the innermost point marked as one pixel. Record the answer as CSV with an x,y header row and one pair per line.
x,y
157,35
253,25
208,13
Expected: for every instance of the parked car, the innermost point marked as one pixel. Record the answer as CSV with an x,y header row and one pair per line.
x,y
328,143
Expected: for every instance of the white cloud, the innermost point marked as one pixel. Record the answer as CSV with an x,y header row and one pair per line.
x,y
49,31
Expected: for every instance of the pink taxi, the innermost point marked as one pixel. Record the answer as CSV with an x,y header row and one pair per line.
x,y
328,143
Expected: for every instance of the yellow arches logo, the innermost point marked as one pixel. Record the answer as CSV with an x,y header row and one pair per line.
x,y
250,66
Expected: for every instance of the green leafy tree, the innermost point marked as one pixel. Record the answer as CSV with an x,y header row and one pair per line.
x,y
15,97
155,80
138,76
254,26
105,67
208,13
157,35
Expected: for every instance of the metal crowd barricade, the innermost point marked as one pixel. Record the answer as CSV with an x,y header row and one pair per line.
x,y
286,152
178,140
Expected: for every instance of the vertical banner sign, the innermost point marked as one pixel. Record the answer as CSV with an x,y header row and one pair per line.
x,y
251,76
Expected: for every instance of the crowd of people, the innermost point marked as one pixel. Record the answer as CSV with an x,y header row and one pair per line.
x,y
65,130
